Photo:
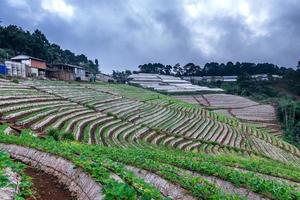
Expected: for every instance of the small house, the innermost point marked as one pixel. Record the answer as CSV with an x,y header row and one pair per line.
x,y
104,78
66,72
35,66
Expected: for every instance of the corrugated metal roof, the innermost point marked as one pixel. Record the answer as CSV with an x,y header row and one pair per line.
x,y
69,65
25,57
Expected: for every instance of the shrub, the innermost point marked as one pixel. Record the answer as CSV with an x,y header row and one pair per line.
x,y
15,81
110,114
68,136
54,133
90,107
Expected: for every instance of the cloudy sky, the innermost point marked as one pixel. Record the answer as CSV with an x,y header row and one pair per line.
x,y
125,33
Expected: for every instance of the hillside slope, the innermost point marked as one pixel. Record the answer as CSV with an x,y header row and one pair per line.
x,y
222,158
263,115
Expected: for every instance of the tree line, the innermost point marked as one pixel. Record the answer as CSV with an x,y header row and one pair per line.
x,y
213,69
15,41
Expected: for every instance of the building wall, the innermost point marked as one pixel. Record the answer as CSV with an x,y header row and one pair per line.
x,y
16,69
37,64
34,71
3,69
80,73
66,76
104,78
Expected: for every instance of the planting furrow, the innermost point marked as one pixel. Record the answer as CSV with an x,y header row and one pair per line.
x,y
93,127
69,126
80,125
54,117
19,111
111,139
60,123
103,130
26,100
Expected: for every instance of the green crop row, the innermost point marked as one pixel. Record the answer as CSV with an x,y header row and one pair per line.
x,y
166,164
100,166
268,188
252,163
100,169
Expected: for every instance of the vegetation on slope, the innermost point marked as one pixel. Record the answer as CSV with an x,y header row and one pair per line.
x,y
100,161
178,167
284,94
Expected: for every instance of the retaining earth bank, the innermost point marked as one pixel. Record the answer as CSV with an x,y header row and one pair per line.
x,y
79,183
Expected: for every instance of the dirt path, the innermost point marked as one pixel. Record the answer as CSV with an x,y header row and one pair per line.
x,y
46,187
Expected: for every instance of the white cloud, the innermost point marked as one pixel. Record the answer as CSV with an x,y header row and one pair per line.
x,y
59,7
201,17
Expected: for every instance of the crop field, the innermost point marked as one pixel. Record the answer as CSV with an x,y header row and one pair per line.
x,y
262,115
138,144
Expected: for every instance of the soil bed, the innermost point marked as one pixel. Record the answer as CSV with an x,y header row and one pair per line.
x,y
47,187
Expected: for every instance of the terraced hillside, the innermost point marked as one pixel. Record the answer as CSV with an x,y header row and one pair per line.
x,y
222,158
262,115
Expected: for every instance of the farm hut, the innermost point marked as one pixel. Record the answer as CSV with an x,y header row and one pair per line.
x,y
104,78
61,72
66,72
36,66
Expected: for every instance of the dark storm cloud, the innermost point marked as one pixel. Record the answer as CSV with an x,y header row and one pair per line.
x,y
124,34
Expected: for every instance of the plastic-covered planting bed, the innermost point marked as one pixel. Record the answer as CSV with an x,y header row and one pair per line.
x,y
78,182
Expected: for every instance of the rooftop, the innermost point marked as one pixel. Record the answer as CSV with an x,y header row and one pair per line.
x,y
68,65
25,57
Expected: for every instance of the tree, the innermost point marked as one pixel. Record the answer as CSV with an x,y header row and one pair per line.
x,y
14,40
178,70
191,69
153,68
121,76
168,69
97,63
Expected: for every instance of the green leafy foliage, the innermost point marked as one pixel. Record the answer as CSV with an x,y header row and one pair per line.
x,y
59,135
100,161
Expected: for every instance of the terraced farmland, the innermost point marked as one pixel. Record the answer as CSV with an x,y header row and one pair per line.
x,y
263,115
149,145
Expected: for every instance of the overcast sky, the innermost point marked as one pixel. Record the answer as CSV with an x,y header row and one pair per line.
x,y
125,33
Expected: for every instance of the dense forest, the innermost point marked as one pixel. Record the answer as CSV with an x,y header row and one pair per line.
x,y
214,69
14,41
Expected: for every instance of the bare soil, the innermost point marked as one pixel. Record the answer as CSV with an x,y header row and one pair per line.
x,y
47,187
